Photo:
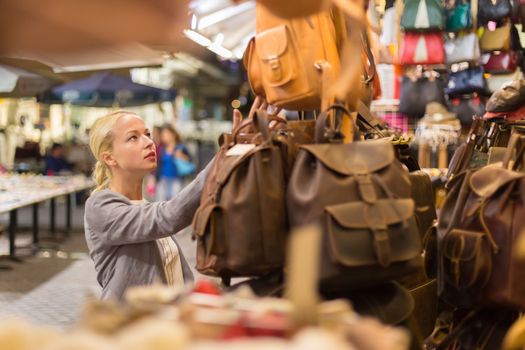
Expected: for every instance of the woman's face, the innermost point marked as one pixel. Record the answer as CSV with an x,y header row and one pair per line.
x,y
133,148
167,137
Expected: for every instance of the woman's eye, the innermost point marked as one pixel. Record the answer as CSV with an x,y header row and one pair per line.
x,y
132,138
148,134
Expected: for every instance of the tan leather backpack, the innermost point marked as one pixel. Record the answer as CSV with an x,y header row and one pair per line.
x,y
290,61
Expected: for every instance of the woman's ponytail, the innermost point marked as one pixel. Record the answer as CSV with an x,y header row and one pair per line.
x,y
101,175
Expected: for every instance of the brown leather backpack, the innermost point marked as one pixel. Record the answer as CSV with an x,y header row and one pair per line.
x,y
480,221
361,195
289,60
241,224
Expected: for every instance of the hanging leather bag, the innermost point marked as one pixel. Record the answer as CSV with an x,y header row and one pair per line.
x,y
422,48
500,62
466,108
289,61
241,223
493,10
496,40
415,94
294,9
479,225
459,17
423,15
466,82
463,48
360,193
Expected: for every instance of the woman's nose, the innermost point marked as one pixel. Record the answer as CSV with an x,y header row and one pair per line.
x,y
148,141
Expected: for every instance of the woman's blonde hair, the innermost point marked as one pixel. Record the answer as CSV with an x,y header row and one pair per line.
x,y
100,141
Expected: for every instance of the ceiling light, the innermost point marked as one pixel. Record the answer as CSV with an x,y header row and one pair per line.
x,y
198,38
224,14
221,51
193,22
219,39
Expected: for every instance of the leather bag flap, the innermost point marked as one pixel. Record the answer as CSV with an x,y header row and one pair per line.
x,y
272,43
486,181
382,213
354,158
354,244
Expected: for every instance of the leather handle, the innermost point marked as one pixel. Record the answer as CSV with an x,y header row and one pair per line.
x,y
261,120
370,56
253,122
366,119
320,126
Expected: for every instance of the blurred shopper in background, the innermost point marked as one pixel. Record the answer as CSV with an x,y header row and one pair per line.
x,y
56,162
174,163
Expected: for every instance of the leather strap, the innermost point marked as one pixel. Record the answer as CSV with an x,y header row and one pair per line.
x,y
382,246
348,85
367,120
379,229
462,327
320,126
370,56
516,144
327,78
366,187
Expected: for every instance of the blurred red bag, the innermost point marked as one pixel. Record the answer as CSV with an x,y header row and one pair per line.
x,y
500,62
422,48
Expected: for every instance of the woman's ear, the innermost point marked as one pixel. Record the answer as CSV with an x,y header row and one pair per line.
x,y
108,159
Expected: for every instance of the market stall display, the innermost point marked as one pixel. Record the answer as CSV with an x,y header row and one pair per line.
x,y
19,191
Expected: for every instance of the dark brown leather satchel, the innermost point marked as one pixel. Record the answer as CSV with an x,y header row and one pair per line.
x,y
361,195
479,223
241,224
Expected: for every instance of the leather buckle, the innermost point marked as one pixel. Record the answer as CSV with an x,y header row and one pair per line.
x,y
275,66
382,245
366,187
274,63
377,225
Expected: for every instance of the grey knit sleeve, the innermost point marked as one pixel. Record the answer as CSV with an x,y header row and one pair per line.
x,y
116,221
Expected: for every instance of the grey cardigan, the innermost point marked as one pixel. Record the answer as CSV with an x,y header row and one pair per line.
x,y
121,236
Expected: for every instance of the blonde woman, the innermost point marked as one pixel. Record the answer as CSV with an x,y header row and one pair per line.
x,y
130,240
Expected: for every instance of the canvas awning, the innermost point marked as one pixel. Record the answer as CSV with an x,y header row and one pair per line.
x,y
16,82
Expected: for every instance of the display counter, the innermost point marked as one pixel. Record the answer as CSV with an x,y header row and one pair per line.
x,y
20,191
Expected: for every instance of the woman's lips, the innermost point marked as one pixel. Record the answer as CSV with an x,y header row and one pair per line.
x,y
151,155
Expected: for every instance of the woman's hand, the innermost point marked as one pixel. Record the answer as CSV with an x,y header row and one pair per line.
x,y
237,119
258,104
